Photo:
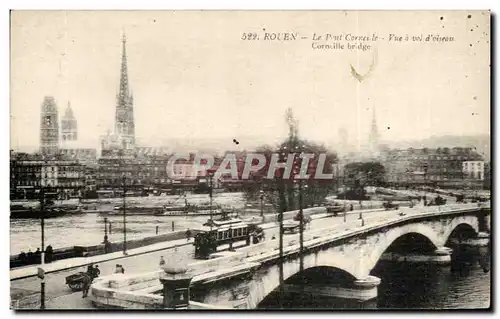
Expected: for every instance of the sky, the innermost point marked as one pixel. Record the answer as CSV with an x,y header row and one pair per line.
x,y
193,76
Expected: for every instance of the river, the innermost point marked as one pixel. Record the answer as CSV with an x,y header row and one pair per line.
x,y
88,229
464,285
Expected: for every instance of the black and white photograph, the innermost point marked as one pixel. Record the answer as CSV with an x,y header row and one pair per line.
x,y
250,160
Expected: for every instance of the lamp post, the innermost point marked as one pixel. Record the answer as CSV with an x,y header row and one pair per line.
x,y
124,179
282,208
301,227
105,229
42,261
261,192
425,184
210,191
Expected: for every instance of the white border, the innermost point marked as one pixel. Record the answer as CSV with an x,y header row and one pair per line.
x,y
494,5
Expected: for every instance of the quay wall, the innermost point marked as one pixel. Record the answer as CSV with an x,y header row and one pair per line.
x,y
94,250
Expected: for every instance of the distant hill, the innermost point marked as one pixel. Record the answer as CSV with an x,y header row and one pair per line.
x,y
217,145
210,145
482,143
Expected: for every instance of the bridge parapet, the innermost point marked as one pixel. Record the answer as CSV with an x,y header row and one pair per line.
x,y
103,296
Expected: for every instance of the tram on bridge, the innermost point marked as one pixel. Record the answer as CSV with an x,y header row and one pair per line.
x,y
216,233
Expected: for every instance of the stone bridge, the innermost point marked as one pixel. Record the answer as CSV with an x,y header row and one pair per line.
x,y
353,252
244,278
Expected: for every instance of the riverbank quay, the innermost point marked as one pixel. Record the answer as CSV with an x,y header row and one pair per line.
x,y
31,271
101,249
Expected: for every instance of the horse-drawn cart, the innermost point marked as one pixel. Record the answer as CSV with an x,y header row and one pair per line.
x,y
75,281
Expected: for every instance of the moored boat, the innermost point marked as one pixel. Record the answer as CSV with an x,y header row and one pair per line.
x,y
49,212
198,212
53,208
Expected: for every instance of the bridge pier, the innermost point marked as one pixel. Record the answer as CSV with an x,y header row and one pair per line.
x,y
482,239
441,256
361,290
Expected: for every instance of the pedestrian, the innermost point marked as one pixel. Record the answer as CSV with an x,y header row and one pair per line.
x,y
49,253
97,271
22,257
30,257
122,269
118,269
38,256
86,281
108,248
352,207
188,234
162,262
90,271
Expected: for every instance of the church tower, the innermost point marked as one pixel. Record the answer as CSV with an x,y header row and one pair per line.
x,y
124,116
69,128
374,142
343,140
49,127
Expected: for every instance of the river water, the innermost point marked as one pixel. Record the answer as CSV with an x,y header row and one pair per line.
x,y
466,284
88,229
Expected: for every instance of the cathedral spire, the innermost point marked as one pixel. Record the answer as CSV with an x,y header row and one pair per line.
x,y
374,135
124,119
124,89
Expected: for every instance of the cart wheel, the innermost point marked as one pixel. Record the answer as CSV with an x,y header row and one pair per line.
x,y
76,286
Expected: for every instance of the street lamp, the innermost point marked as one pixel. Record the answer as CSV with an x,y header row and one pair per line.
x,y
425,184
41,273
301,226
282,206
124,179
105,229
210,172
261,203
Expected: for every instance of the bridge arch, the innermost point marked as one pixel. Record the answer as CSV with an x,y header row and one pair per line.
x,y
327,258
458,223
270,285
393,234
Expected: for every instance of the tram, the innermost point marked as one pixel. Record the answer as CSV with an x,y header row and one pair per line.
x,y
222,232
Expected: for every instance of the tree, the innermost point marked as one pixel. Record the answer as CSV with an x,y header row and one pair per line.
x,y
362,174
283,193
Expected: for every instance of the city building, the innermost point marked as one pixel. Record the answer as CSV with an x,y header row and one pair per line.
x,y
49,127
56,174
144,173
85,156
113,166
441,167
25,175
473,170
487,175
64,177
90,190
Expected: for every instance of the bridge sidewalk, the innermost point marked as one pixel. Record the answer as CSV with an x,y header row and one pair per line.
x,y
65,264
325,215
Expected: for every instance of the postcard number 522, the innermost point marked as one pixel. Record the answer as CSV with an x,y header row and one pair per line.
x,y
249,36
